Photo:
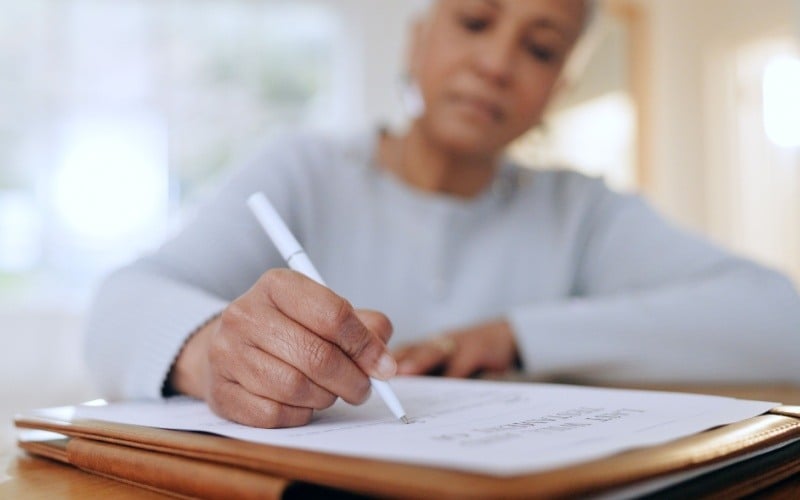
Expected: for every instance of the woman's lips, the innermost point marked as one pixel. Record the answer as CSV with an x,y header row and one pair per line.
x,y
480,107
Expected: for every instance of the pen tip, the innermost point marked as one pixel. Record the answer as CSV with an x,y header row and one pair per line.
x,y
405,420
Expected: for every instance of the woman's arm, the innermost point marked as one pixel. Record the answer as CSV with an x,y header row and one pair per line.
x,y
658,303
650,302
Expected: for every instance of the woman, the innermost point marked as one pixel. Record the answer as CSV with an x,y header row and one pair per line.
x,y
481,265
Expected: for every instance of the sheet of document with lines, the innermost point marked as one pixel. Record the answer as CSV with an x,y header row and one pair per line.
x,y
497,428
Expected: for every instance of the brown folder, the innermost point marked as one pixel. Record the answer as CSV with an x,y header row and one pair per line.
x,y
748,456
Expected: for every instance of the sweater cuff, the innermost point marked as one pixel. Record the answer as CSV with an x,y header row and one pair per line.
x,y
168,331
572,337
167,389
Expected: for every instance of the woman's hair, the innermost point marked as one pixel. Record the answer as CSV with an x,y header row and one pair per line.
x,y
591,14
421,6
584,47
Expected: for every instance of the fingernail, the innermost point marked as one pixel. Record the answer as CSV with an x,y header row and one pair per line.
x,y
387,366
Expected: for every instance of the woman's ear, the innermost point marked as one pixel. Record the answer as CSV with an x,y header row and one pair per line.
x,y
412,100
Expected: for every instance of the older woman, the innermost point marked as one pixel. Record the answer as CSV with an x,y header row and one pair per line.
x,y
479,264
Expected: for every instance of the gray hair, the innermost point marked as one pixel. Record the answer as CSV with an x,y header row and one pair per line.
x,y
419,7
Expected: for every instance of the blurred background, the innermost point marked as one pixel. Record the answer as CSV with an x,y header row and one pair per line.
x,y
116,117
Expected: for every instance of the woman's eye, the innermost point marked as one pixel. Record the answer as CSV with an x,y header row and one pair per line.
x,y
474,23
541,53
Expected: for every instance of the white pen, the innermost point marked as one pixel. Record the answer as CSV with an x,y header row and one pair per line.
x,y
296,258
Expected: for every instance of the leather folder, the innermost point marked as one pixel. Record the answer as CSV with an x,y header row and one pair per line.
x,y
731,460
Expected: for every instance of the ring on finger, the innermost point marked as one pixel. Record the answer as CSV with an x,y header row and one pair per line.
x,y
445,344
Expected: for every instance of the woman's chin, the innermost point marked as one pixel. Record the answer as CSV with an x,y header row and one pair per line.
x,y
471,141
461,135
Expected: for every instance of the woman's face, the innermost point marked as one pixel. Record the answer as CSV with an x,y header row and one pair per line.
x,y
487,68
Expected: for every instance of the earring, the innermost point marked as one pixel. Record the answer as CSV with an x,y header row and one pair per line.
x,y
411,98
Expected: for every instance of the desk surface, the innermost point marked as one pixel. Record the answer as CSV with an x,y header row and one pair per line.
x,y
22,476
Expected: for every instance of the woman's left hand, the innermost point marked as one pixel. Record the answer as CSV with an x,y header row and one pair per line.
x,y
485,348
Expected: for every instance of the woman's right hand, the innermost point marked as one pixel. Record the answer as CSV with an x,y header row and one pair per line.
x,y
286,347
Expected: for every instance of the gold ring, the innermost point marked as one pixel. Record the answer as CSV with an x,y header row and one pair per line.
x,y
445,344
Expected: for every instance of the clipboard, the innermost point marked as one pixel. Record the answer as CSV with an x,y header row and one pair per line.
x,y
735,459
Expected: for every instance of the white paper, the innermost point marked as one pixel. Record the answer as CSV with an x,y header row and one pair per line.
x,y
497,428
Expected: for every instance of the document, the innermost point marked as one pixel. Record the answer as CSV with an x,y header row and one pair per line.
x,y
496,428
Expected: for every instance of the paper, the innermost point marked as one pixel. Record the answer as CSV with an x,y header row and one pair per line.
x,y
497,428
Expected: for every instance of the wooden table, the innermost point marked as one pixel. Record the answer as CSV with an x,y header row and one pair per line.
x,y
25,477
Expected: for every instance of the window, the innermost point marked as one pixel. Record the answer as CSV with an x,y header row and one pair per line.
x,y
766,155
117,113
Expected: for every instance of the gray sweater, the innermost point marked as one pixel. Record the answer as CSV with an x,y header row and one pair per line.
x,y
593,282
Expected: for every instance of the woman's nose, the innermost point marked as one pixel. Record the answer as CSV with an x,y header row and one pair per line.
x,y
494,58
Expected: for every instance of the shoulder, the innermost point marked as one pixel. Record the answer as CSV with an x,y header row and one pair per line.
x,y
299,156
294,145
316,145
565,183
577,202
564,189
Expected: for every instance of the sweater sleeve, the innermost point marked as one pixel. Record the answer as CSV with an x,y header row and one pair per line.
x,y
139,322
143,313
654,303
